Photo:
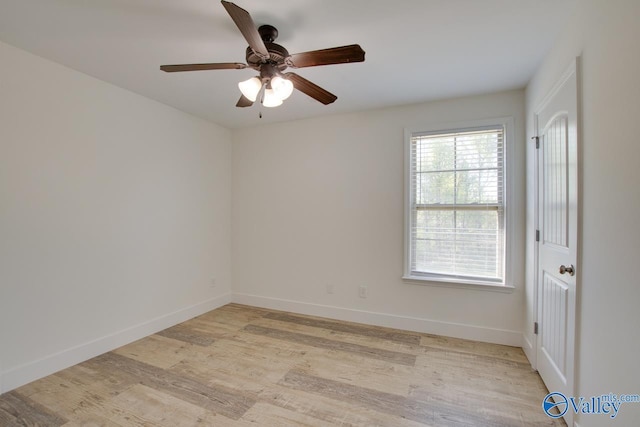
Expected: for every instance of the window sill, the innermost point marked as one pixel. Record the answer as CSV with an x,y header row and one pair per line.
x,y
458,284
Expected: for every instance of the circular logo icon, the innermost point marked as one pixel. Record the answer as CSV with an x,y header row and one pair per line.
x,y
555,400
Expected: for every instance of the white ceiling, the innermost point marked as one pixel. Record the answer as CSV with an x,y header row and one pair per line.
x,y
416,50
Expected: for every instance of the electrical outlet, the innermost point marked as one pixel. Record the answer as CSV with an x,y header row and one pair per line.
x,y
362,291
329,289
212,282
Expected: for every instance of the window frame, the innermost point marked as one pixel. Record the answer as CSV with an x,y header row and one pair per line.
x,y
450,280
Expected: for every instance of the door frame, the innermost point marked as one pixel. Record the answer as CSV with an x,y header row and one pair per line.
x,y
574,68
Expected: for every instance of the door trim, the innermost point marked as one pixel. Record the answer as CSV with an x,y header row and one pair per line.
x,y
574,68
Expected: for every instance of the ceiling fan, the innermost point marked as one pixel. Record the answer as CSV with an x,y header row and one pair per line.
x,y
270,60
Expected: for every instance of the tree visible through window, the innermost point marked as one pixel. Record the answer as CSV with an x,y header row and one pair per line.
x,y
457,204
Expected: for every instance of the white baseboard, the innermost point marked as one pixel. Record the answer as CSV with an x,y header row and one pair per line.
x,y
529,350
48,365
436,327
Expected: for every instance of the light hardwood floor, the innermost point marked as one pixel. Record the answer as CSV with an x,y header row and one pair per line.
x,y
240,366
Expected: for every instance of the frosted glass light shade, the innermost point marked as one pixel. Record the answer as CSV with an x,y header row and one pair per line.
x,y
250,88
282,87
271,99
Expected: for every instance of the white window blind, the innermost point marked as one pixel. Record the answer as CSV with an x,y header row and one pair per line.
x,y
457,205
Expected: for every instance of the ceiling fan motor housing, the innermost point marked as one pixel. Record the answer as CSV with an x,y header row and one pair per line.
x,y
277,56
277,53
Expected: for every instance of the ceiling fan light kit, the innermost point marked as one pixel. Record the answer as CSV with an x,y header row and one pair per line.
x,y
250,88
277,88
270,60
282,87
271,99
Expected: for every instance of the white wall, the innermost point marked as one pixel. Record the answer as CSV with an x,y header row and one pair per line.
x,y
606,34
115,213
320,202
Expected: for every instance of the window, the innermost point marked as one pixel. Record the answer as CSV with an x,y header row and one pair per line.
x,y
455,200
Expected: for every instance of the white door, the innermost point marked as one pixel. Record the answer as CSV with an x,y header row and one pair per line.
x,y
557,128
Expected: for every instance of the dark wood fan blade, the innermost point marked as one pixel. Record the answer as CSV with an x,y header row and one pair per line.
x,y
198,67
336,55
244,102
311,89
248,29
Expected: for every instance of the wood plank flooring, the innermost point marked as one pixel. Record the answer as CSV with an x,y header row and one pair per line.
x,y
241,366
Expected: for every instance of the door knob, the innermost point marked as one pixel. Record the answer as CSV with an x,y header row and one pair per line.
x,y
570,270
